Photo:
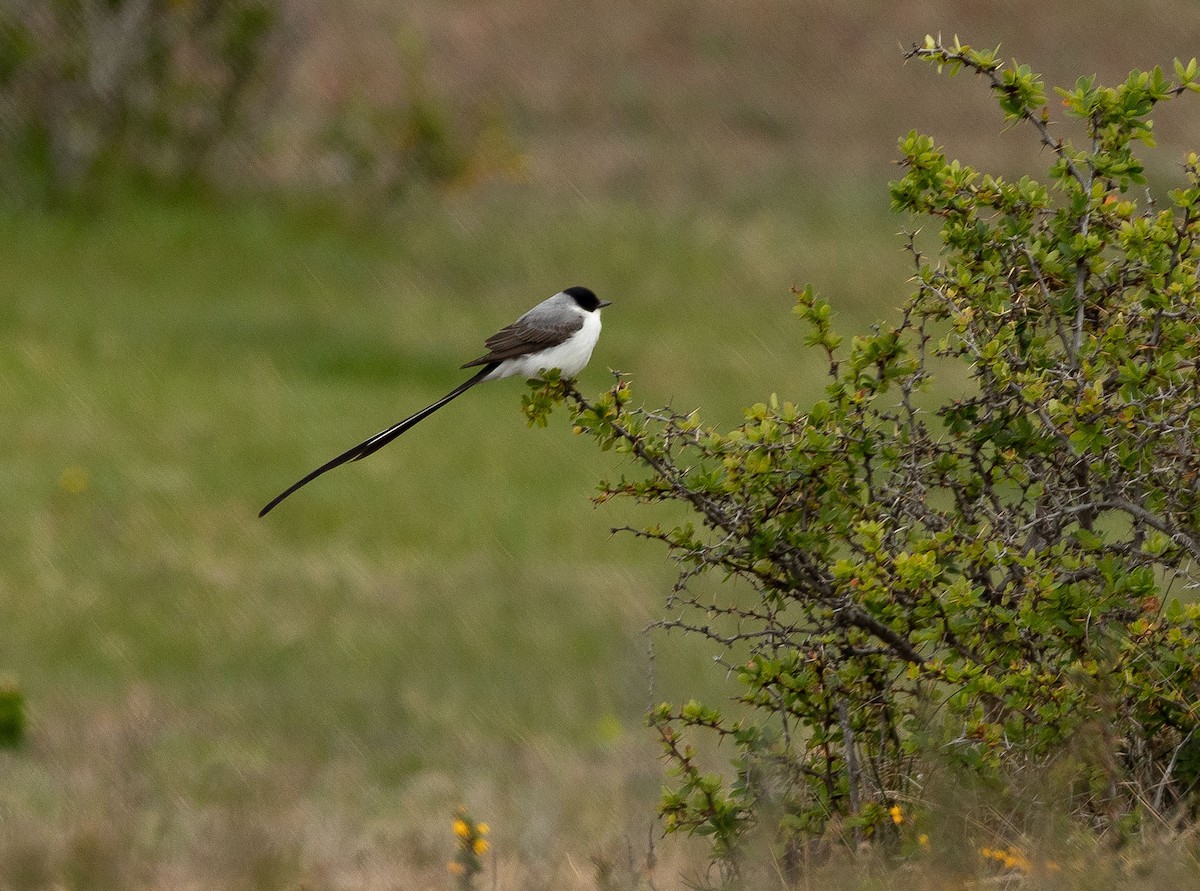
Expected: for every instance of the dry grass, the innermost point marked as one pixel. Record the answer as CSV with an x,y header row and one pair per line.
x,y
682,101
105,803
105,807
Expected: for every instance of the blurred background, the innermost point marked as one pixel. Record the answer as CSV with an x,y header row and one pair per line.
x,y
238,236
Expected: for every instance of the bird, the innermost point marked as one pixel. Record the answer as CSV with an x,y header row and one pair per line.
x,y
559,333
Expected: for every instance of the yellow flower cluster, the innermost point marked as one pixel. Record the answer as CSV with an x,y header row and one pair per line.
x,y
1009,858
467,832
472,844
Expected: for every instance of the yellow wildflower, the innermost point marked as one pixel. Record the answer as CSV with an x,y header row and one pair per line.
x,y
456,868
480,846
897,814
1014,858
923,840
461,829
481,828
1009,858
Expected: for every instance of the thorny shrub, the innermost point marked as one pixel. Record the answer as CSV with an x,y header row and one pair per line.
x,y
987,581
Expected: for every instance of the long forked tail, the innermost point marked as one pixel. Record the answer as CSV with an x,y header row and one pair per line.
x,y
379,440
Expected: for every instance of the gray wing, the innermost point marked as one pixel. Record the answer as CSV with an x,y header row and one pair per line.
x,y
544,326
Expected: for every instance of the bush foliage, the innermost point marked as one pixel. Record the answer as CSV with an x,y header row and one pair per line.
x,y
981,584
92,87
187,93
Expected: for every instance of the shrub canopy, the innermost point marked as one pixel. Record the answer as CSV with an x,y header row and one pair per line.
x,y
981,581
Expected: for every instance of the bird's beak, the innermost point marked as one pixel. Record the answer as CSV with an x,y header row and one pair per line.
x,y
603,303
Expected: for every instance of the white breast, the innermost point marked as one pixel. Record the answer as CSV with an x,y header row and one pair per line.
x,y
570,357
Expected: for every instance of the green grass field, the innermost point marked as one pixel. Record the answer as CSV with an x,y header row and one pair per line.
x,y
304,697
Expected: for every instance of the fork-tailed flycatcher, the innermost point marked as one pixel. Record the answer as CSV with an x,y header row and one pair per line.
x,y
560,332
